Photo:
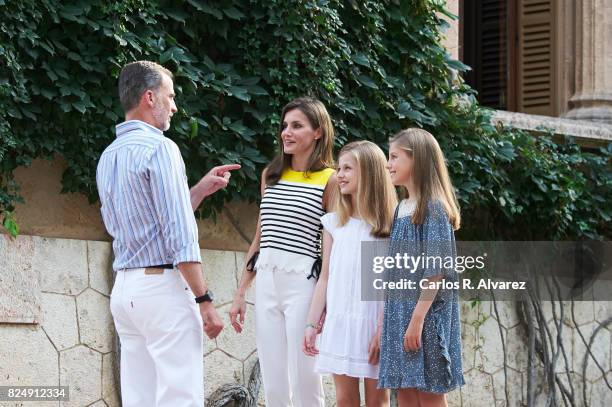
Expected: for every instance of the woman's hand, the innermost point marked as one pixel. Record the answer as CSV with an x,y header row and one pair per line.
x,y
310,337
412,337
374,348
237,312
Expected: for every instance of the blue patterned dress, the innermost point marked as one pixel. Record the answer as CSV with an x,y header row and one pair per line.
x,y
436,366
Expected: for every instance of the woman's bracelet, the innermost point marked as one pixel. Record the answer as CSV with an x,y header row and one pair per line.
x,y
313,326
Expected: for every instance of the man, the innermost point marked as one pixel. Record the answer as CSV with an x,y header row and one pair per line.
x,y
147,208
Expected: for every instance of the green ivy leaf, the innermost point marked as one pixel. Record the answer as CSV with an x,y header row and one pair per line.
x,y
456,64
210,10
361,59
241,129
193,124
257,90
403,109
10,224
233,13
239,92
177,15
367,81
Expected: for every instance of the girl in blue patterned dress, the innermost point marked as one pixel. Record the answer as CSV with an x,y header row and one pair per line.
x,y
421,337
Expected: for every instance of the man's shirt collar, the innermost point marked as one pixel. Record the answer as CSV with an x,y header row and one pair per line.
x,y
131,125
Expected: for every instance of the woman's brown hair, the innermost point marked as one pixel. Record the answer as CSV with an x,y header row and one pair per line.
x,y
429,174
322,156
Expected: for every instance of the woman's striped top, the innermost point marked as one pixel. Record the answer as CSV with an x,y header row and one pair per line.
x,y
291,213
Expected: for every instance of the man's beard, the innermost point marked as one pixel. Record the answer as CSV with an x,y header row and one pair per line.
x,y
162,120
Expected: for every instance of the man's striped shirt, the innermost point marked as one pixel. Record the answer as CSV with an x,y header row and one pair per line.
x,y
146,205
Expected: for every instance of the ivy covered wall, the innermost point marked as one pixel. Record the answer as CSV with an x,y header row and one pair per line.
x,y
378,65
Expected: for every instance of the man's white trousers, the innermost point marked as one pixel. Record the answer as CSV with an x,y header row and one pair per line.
x,y
160,329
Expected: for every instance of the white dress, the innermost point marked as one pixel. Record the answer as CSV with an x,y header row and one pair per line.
x,y
350,324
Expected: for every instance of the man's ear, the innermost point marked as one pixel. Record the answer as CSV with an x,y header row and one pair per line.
x,y
148,97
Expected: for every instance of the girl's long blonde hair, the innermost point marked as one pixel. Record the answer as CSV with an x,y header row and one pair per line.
x,y
429,174
376,197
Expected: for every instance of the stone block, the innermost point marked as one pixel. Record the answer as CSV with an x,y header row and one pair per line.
x,y
516,348
100,265
62,265
478,390
220,273
508,315
489,346
485,309
81,371
248,365
60,320
584,313
453,398
567,341
600,393
110,380
241,259
514,388
329,390
27,357
603,310
19,281
209,345
468,312
95,321
547,307
220,369
247,369
600,349
573,380
241,345
469,346
541,388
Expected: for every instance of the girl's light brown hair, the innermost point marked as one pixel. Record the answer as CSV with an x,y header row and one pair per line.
x,y
429,174
376,197
323,154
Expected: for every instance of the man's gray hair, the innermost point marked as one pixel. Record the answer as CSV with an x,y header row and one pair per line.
x,y
138,77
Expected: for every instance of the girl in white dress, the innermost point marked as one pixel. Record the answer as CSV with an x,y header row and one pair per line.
x,y
349,347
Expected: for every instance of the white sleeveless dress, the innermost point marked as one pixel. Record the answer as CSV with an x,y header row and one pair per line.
x,y
350,324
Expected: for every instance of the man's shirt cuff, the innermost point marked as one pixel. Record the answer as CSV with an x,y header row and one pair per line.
x,y
188,254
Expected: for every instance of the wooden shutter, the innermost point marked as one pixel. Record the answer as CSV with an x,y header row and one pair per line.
x,y
536,55
493,60
484,49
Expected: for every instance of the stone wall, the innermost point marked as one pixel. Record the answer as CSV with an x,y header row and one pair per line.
x,y
59,331
64,335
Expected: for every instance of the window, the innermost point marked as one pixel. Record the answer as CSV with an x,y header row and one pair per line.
x,y
511,47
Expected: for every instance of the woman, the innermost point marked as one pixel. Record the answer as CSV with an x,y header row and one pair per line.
x,y
295,190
